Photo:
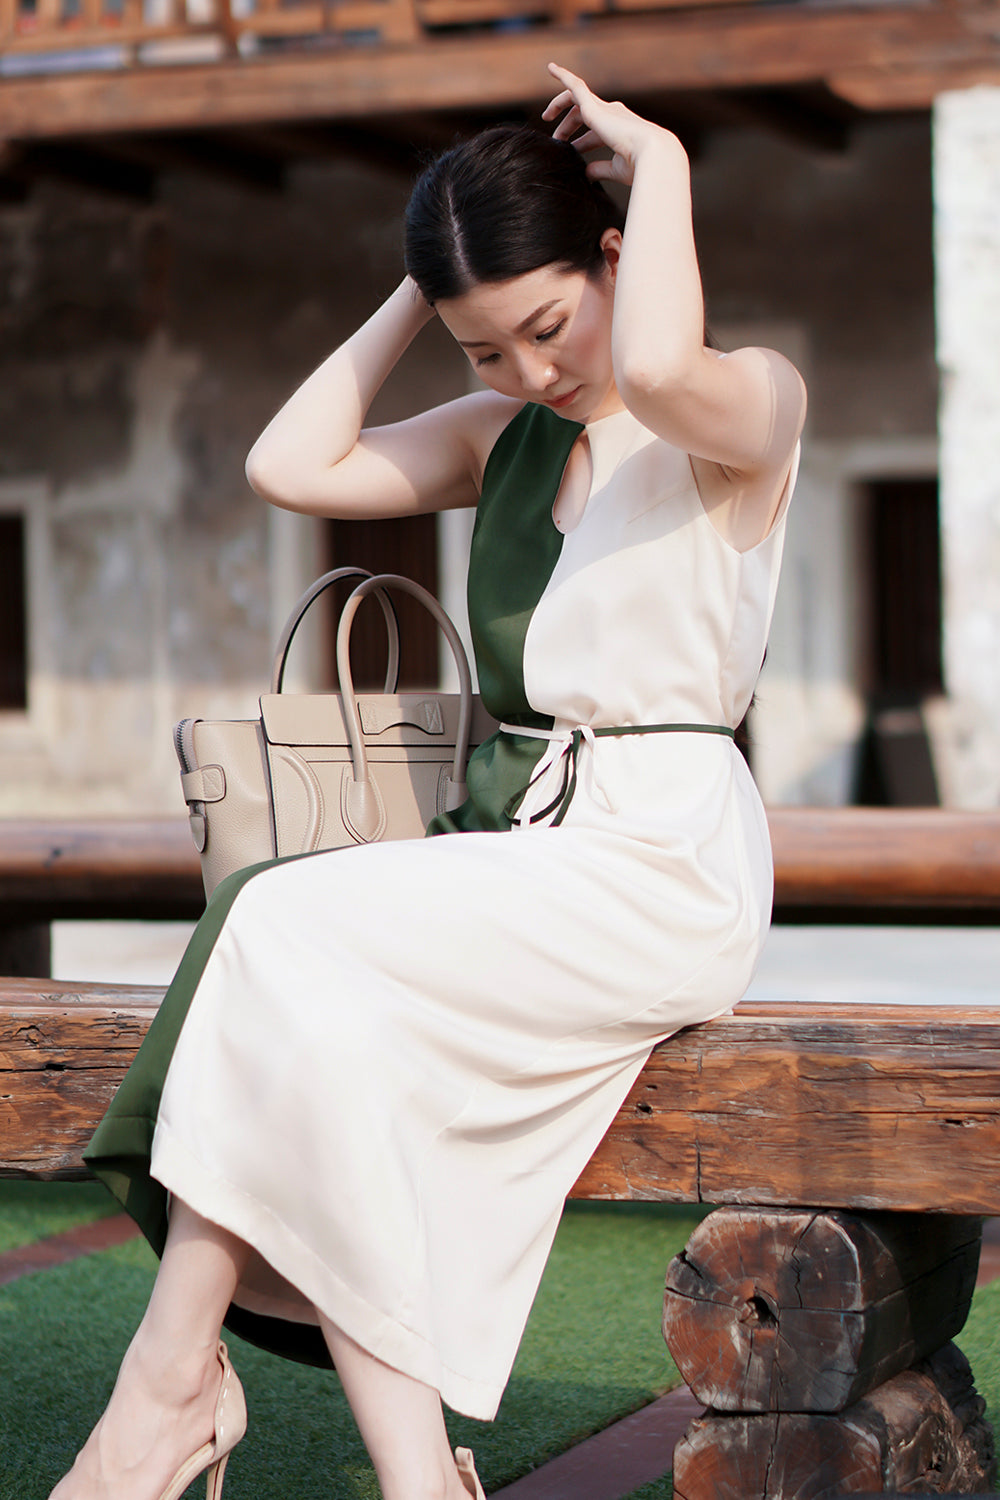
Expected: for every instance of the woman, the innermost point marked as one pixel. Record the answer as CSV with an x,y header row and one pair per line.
x,y
368,1123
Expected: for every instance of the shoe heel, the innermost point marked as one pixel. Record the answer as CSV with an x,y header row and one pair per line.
x,y
467,1473
213,1483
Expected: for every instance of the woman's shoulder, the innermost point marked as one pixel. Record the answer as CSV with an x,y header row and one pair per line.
x,y
482,417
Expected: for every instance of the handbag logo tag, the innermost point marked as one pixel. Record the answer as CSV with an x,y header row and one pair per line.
x,y
431,712
378,715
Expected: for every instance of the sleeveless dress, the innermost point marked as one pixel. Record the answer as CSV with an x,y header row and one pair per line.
x,y
385,1067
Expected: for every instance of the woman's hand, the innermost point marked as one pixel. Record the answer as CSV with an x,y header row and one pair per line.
x,y
602,124
314,457
740,416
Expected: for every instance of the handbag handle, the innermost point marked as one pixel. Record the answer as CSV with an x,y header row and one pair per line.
x,y
365,811
298,614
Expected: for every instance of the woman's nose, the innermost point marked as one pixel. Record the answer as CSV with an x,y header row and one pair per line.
x,y
537,373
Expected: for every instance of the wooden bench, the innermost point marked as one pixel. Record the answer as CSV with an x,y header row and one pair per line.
x,y
868,1134
855,1148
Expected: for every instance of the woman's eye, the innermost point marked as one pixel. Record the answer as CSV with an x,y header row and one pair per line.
x,y
486,359
550,333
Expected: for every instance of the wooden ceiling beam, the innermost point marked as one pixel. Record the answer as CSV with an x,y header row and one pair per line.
x,y
731,47
909,88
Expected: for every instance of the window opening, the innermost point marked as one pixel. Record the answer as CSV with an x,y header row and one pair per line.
x,y
13,631
406,545
903,665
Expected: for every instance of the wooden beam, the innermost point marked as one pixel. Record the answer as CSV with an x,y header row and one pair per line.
x,y
910,88
887,858
882,861
738,46
849,1106
56,1081
99,868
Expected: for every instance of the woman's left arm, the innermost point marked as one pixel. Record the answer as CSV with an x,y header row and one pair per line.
x,y
743,411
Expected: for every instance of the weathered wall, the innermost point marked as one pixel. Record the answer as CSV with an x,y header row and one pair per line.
x,y
141,350
967,235
829,257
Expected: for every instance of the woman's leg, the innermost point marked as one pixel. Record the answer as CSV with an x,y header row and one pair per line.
x,y
162,1408
401,1422
163,1405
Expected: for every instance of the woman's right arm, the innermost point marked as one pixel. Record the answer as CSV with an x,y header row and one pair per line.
x,y
315,456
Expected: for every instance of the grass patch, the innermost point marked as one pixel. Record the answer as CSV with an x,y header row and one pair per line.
x,y
592,1353
31,1210
979,1341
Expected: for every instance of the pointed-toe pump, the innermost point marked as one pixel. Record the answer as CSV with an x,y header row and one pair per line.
x,y
230,1425
467,1473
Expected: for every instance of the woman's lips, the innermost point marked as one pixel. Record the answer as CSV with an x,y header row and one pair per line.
x,y
564,400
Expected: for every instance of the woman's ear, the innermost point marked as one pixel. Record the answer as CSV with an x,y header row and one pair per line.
x,y
611,245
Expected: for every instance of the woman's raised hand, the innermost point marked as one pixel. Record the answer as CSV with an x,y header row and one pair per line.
x,y
602,124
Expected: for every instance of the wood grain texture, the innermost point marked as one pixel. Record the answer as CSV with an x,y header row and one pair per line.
x,y
64,1049
783,1310
815,1105
922,1432
691,48
823,1105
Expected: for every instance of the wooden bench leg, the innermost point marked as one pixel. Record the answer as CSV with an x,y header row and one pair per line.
x,y
819,1341
26,950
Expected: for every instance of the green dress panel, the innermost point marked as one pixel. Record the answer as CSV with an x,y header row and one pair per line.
x,y
515,547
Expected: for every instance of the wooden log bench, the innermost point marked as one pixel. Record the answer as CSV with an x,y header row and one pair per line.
x,y
854,1151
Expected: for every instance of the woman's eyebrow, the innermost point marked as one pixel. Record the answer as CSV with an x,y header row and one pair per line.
x,y
525,324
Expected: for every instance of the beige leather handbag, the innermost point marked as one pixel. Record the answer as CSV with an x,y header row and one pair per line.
x,y
328,770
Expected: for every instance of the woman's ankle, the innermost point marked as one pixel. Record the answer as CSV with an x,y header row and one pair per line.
x,y
170,1374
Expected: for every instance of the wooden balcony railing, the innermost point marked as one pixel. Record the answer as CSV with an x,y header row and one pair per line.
x,y
249,63
102,33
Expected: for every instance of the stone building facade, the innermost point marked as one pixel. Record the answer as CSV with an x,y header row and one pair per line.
x,y
142,347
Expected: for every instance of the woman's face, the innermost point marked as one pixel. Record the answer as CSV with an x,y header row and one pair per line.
x,y
543,337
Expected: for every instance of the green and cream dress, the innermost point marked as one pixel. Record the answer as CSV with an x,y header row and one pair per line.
x,y
385,1067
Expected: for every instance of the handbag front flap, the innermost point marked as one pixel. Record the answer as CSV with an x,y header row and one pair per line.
x,y
391,719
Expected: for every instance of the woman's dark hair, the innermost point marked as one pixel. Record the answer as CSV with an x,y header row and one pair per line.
x,y
501,204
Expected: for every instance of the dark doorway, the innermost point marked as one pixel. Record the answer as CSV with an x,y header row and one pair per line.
x,y
13,632
406,545
903,664
905,587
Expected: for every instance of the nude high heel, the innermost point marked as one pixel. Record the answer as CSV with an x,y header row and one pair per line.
x,y
467,1473
230,1425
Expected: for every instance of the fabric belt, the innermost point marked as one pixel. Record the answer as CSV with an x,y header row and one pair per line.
x,y
561,760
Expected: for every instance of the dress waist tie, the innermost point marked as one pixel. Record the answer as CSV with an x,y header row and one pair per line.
x,y
558,764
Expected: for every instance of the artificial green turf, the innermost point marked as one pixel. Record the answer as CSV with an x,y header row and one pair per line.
x,y
592,1353
31,1210
979,1341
